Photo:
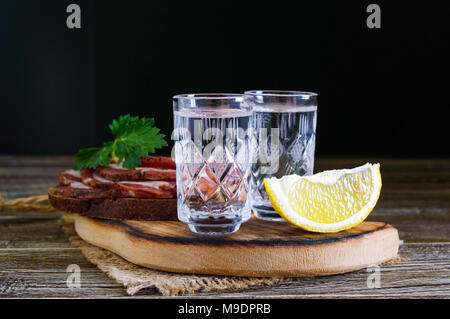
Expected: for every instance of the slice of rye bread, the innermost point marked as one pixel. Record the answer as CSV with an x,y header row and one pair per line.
x,y
116,208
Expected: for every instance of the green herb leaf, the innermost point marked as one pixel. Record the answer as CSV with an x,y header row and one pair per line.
x,y
92,157
134,138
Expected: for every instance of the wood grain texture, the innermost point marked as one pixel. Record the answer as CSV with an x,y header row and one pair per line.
x,y
42,273
259,249
34,252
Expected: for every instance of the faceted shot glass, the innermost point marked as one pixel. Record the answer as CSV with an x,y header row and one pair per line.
x,y
284,136
212,153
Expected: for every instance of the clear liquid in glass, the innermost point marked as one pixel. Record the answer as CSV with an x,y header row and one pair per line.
x,y
213,169
284,138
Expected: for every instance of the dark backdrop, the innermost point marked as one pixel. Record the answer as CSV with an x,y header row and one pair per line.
x,y
382,92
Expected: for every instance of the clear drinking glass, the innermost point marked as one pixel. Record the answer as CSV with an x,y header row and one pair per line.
x,y
284,136
212,153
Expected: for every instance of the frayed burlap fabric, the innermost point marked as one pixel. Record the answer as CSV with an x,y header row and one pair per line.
x,y
38,203
136,278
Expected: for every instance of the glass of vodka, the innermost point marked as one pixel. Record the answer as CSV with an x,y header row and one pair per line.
x,y
212,152
284,136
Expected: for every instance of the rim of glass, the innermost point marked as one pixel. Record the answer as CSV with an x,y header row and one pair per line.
x,y
283,93
208,96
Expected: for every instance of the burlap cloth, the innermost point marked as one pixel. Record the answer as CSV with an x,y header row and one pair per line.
x,y
135,278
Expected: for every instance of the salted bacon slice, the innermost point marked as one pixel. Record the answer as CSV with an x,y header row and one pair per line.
x,y
158,162
156,180
90,185
149,189
69,176
143,189
90,178
115,172
86,192
152,168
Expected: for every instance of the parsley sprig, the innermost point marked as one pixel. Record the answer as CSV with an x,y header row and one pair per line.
x,y
134,138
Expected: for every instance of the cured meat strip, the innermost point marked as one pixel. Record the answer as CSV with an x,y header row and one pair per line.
x,y
158,162
117,173
69,176
90,178
122,191
154,189
133,189
78,185
154,180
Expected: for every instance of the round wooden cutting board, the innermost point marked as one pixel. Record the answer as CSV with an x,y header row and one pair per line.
x,y
258,249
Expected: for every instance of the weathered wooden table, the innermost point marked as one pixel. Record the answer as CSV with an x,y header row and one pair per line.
x,y
415,198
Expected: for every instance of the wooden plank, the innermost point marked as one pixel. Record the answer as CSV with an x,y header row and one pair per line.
x,y
22,176
426,274
42,273
36,161
34,252
395,166
34,229
415,224
406,182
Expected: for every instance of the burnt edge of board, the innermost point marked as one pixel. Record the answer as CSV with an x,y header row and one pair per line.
x,y
222,241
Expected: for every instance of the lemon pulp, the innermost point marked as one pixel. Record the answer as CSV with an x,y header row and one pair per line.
x,y
329,201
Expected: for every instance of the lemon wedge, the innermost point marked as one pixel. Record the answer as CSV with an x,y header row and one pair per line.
x,y
329,201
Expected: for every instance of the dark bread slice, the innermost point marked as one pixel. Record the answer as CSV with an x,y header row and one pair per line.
x,y
116,208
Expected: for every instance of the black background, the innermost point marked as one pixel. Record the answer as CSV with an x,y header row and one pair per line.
x,y
382,92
